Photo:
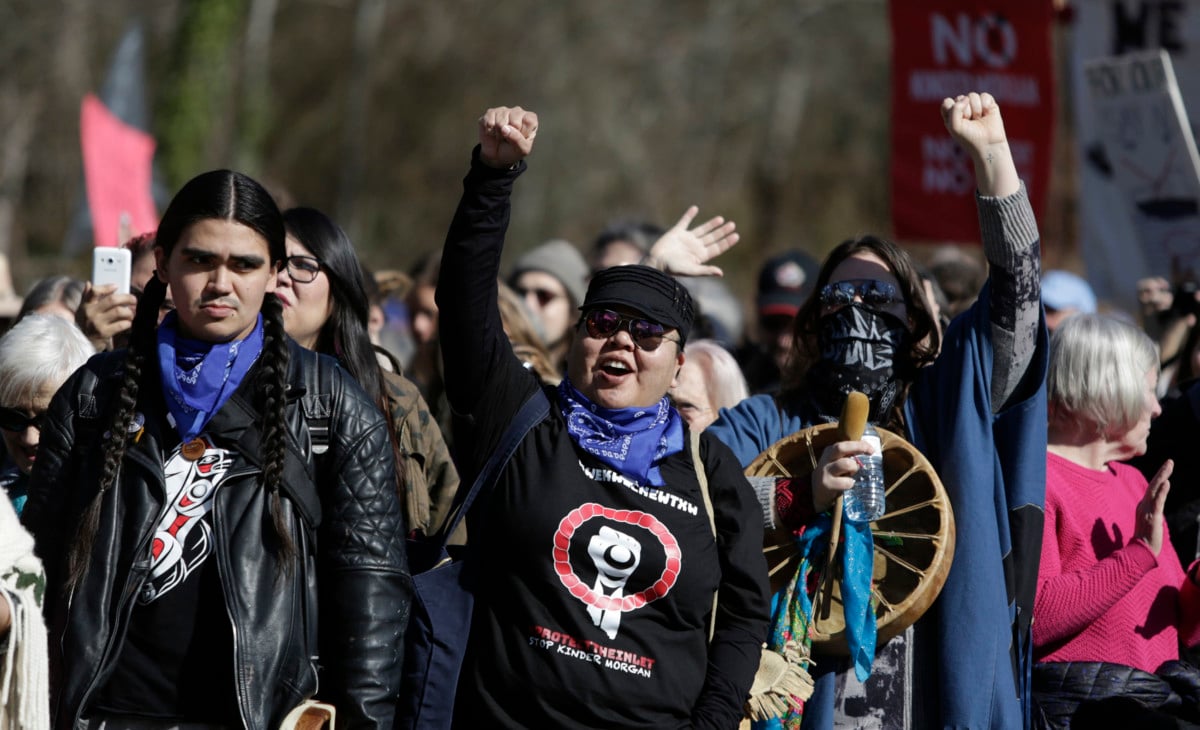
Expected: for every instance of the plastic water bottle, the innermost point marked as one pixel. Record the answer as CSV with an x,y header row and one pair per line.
x,y
864,501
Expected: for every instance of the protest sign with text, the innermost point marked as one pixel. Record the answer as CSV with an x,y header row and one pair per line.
x,y
1103,29
942,48
1148,144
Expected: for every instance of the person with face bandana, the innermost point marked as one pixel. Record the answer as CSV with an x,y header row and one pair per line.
x,y
594,553
977,411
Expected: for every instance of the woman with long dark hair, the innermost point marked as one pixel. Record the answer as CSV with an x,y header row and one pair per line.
x,y
188,531
976,411
325,309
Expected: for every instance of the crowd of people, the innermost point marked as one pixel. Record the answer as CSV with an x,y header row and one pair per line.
x,y
213,479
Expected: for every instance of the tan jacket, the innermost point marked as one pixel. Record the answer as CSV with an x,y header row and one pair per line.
x,y
430,479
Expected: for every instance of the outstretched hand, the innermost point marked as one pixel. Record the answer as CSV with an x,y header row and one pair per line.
x,y
1148,526
506,136
685,252
974,121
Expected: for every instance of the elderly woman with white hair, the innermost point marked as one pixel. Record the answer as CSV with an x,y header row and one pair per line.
x,y
1113,601
36,356
709,380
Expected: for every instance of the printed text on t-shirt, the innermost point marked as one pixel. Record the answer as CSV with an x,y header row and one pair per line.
x,y
589,651
658,495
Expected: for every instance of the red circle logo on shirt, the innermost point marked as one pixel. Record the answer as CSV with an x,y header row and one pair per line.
x,y
573,583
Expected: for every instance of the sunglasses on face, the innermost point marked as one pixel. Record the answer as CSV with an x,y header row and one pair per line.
x,y
604,323
543,296
873,293
17,421
303,269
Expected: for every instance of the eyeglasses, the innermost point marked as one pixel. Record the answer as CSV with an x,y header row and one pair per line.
x,y
874,293
647,335
17,421
544,296
303,269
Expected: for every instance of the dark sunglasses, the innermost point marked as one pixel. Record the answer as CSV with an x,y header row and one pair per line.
x,y
604,323
17,421
873,293
303,269
544,296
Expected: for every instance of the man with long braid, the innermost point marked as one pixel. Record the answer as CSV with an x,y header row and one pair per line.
x,y
189,532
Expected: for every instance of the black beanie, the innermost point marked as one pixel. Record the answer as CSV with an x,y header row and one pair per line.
x,y
656,295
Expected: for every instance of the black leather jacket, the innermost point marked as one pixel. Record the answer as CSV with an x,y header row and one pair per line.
x,y
358,576
1084,695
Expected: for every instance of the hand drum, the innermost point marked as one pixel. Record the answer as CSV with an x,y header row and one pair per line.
x,y
914,539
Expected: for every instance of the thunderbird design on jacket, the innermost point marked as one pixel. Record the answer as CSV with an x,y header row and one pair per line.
x,y
184,537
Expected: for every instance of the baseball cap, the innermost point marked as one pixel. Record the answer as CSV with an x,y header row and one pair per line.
x,y
784,282
1063,290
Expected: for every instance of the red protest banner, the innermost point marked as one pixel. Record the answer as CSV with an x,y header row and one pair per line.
x,y
116,169
942,48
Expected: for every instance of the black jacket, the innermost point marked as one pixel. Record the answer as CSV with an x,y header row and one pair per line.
x,y
358,576
1084,695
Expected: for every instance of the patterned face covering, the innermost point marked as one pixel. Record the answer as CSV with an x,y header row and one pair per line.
x,y
858,352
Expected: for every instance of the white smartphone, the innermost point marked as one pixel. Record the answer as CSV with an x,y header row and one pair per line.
x,y
111,265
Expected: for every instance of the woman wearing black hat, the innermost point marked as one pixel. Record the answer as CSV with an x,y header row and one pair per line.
x,y
595,553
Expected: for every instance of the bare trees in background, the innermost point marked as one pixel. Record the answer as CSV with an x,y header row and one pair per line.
x,y
21,112
773,113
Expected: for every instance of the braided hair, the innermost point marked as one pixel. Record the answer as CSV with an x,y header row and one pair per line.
x,y
220,195
344,334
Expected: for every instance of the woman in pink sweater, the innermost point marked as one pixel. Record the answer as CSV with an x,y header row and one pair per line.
x,y
1107,591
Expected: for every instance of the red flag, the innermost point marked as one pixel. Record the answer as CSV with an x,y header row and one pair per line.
x,y
116,168
943,48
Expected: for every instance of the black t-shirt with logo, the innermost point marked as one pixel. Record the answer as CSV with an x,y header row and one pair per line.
x,y
593,593
176,661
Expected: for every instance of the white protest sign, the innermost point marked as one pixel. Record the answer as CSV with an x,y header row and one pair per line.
x,y
1101,29
1139,114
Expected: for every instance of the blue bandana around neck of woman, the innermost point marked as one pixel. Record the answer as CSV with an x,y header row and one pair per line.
x,y
630,440
198,377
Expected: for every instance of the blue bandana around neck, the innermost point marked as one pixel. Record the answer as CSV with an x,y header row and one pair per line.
x,y
630,440
198,377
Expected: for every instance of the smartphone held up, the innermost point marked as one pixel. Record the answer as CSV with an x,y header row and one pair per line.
x,y
111,265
